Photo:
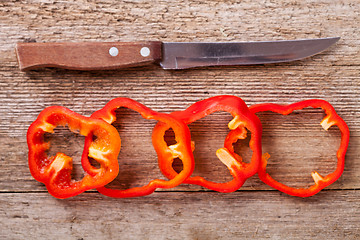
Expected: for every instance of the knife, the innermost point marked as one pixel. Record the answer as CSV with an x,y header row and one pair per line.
x,y
170,55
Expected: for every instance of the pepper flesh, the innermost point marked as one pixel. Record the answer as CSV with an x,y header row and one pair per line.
x,y
183,147
330,119
55,171
243,119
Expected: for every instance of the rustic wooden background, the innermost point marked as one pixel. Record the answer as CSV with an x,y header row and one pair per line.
x,y
297,143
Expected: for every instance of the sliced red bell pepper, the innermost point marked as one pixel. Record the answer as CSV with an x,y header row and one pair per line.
x,y
243,119
330,119
55,171
182,147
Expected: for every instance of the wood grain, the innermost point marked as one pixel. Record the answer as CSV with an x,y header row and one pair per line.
x,y
87,55
297,143
191,215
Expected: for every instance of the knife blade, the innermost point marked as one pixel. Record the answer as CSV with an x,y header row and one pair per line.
x,y
170,55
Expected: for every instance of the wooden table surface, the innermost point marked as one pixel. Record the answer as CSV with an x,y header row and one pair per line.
x,y
297,143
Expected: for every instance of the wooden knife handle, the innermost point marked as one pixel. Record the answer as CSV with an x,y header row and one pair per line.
x,y
87,55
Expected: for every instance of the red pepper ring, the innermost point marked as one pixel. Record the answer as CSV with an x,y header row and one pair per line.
x,y
55,171
243,118
330,119
183,147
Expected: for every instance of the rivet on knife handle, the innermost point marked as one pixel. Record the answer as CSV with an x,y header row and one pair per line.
x,y
87,55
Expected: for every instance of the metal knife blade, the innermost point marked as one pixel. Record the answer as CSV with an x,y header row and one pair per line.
x,y
176,55
188,55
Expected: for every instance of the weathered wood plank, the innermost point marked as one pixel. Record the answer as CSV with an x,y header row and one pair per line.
x,y
245,215
296,143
